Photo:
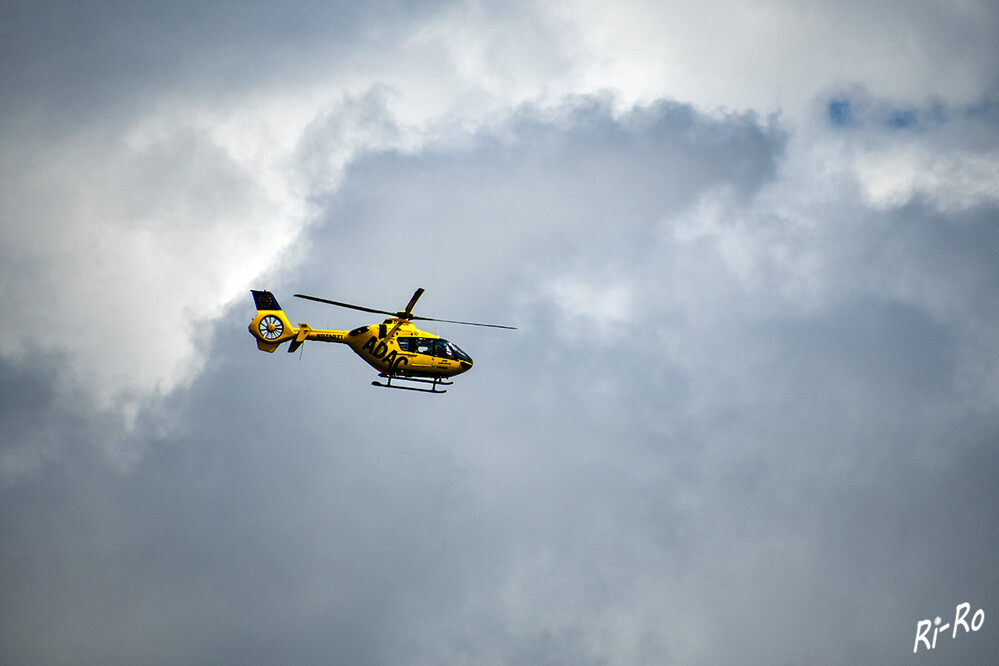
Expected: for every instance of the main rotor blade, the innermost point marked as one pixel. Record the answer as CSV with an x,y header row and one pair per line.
x,y
408,312
466,323
346,305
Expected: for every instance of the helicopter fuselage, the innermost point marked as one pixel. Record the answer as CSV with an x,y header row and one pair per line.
x,y
397,347
394,347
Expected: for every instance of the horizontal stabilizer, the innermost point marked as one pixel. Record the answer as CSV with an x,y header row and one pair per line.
x,y
267,346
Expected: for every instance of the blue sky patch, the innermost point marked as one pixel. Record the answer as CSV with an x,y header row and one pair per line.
x,y
841,112
902,119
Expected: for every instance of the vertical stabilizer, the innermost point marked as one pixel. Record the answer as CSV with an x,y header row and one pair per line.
x,y
265,300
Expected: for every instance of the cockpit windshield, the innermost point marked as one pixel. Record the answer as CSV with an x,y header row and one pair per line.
x,y
454,351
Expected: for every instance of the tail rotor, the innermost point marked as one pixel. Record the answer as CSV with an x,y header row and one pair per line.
x,y
270,326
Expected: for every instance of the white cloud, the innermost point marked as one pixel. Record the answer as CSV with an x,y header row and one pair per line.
x,y
773,55
591,307
123,256
954,181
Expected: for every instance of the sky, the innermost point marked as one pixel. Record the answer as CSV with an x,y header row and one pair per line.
x,y
750,413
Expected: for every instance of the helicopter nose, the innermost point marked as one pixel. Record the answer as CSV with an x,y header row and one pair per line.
x,y
466,365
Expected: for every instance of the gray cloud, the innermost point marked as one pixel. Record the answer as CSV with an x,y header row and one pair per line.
x,y
66,59
749,415
553,186
732,472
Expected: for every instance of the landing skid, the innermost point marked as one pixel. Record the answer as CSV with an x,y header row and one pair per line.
x,y
437,381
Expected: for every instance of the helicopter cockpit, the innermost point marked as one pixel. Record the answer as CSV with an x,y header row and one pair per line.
x,y
438,347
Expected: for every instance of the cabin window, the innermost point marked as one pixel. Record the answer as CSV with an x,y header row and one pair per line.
x,y
433,347
428,346
417,345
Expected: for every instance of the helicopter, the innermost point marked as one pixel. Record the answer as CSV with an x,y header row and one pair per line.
x,y
396,348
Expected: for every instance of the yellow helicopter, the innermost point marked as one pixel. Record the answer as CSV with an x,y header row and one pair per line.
x,y
396,348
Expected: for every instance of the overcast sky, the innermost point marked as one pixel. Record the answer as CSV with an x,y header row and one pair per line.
x,y
750,413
